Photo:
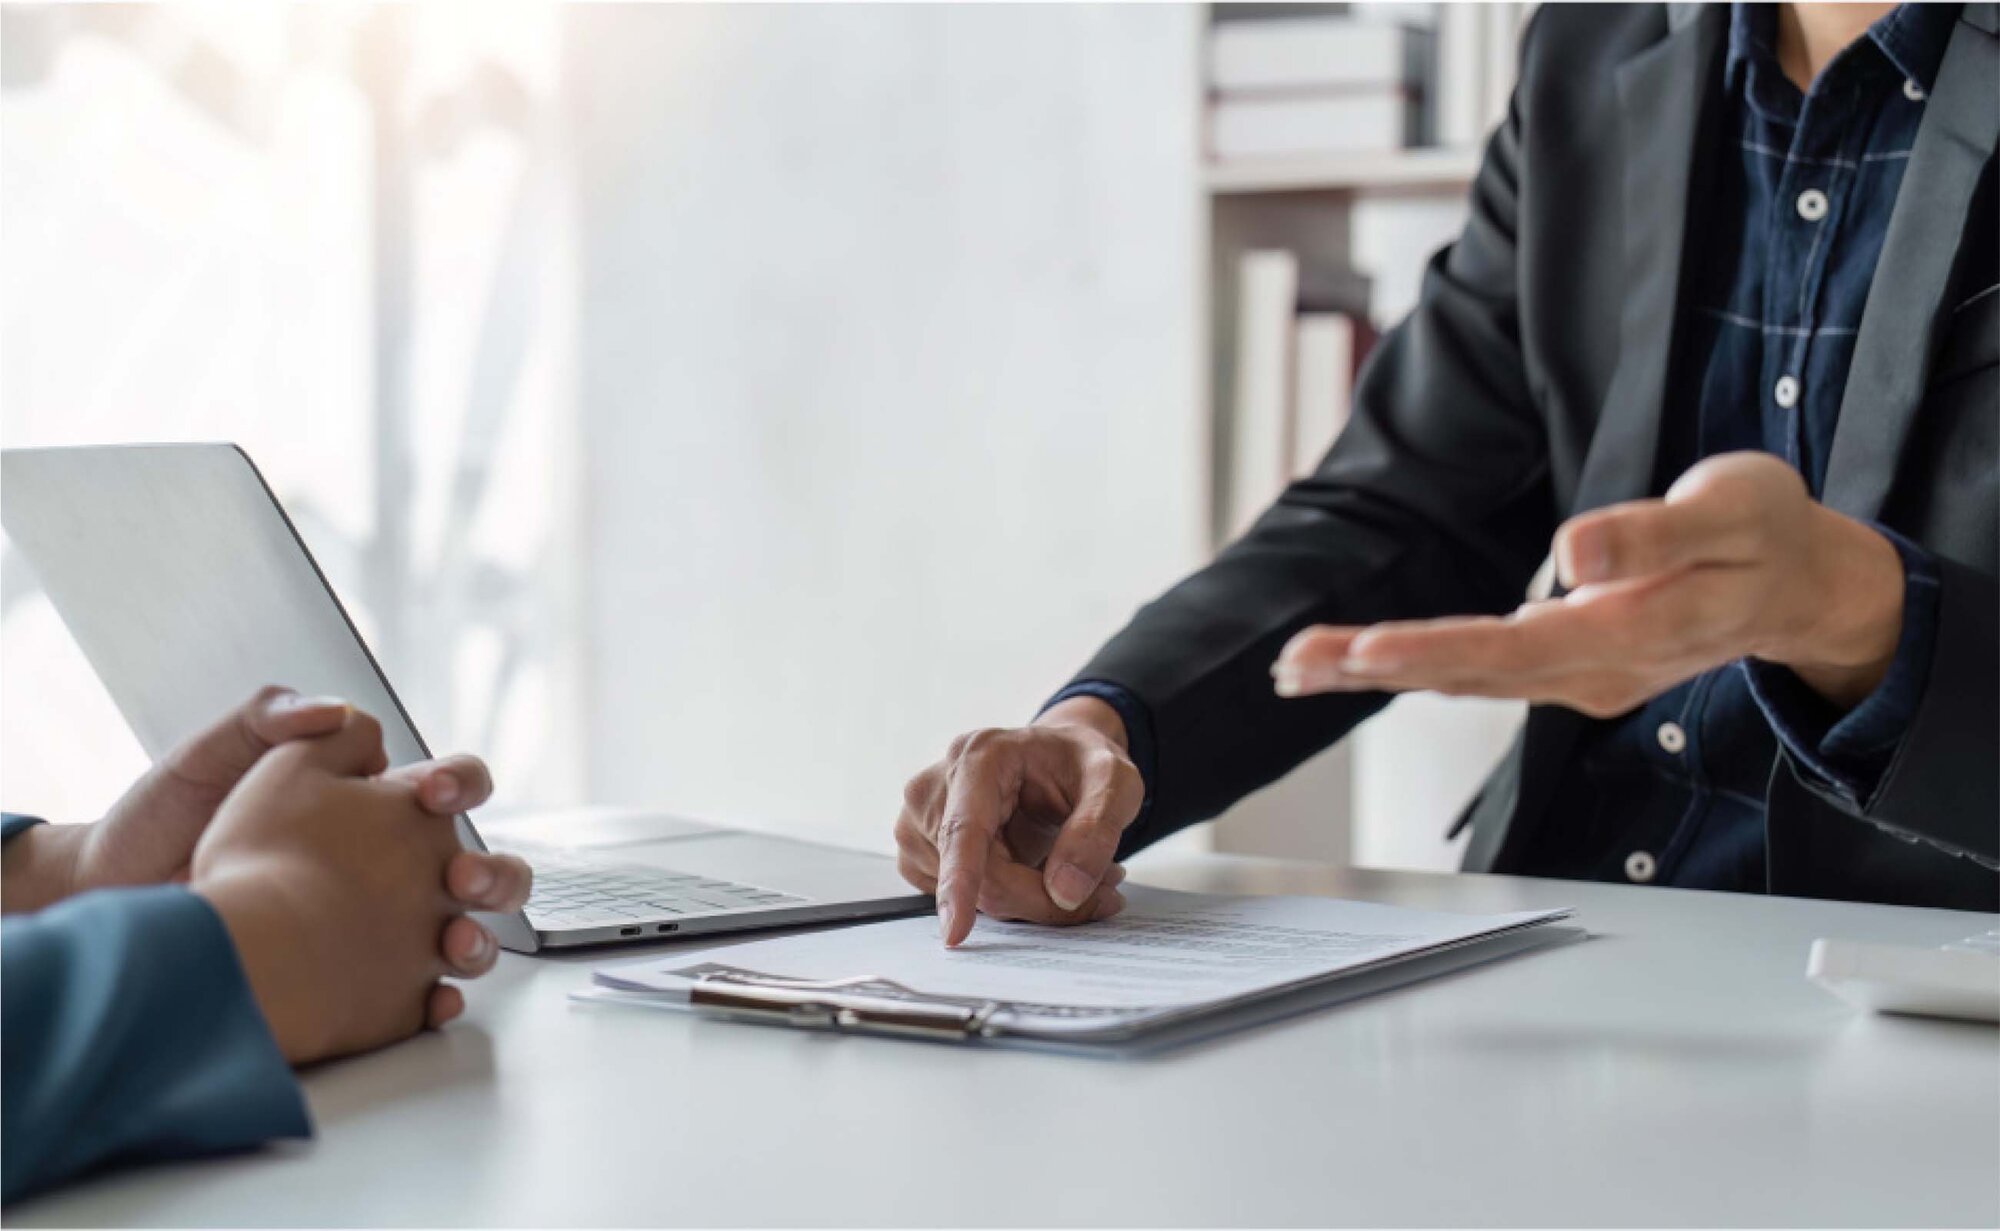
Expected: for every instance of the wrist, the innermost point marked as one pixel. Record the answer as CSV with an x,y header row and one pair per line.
x,y
1856,618
41,866
1089,712
272,948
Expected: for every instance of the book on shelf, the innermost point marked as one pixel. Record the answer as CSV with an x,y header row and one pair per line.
x,y
1316,53
1300,337
1459,89
1478,50
1328,351
1504,22
1376,79
1303,86
1308,124
1267,298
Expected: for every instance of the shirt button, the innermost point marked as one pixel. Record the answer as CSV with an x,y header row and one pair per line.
x,y
1639,867
1671,737
1786,391
1812,205
1912,91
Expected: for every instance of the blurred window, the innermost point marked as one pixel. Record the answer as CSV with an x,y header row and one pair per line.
x,y
334,235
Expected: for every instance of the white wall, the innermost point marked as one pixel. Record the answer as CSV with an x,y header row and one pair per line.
x,y
888,381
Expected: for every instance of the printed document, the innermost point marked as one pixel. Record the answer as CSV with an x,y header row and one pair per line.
x,y
1165,953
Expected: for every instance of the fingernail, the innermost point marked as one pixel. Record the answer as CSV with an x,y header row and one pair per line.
x,y
1287,681
482,945
1069,885
444,790
291,703
480,883
1583,558
943,917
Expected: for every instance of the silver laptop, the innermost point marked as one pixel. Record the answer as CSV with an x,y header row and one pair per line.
x,y
188,588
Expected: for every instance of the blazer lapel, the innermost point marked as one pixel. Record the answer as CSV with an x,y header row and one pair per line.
x,y
1664,94
1906,302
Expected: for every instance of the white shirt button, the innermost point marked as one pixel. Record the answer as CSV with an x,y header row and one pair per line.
x,y
1786,391
1912,91
1639,867
1812,205
1671,737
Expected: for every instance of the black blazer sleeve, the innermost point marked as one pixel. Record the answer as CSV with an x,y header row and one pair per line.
x,y
1943,786
1435,500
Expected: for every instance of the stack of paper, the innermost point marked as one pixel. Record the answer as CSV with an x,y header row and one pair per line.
x,y
1168,957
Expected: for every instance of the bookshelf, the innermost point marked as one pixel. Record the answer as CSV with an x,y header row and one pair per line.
x,y
1381,214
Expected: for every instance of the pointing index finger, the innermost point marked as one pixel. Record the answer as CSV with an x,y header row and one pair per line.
x,y
972,815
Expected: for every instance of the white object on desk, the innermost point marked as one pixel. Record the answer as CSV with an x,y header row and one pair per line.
x,y
1955,980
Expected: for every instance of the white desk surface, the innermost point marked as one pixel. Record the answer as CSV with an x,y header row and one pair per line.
x,y
1675,1069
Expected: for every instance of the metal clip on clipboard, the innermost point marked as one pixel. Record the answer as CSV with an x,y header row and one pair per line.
x,y
821,1005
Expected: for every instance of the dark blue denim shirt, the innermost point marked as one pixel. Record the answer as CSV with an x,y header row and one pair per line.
x,y
1783,241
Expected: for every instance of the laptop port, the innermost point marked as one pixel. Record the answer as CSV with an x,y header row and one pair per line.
x,y
628,931
666,927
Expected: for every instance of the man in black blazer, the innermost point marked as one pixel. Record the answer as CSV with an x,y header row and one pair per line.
x,y
1720,336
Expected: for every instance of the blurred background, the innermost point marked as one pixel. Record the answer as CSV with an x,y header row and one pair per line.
x,y
718,408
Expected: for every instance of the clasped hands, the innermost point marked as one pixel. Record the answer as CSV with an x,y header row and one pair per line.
x,y
1736,560
340,881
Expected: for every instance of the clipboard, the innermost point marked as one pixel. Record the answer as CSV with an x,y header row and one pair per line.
x,y
867,1005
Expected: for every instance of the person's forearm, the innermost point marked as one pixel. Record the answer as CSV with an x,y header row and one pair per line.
x,y
270,944
39,868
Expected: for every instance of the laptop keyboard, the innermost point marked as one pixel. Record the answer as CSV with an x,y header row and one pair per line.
x,y
574,891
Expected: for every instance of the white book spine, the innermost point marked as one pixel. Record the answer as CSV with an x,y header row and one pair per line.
x,y
1460,87
1334,124
1268,288
1503,43
1323,387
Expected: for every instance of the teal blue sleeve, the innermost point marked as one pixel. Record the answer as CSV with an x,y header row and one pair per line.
x,y
130,1033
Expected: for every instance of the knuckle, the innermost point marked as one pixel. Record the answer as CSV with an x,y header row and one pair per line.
x,y
955,825
918,790
1126,781
910,833
980,742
